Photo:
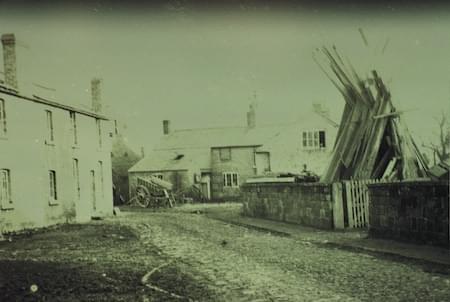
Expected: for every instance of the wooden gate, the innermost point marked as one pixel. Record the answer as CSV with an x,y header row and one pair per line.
x,y
356,202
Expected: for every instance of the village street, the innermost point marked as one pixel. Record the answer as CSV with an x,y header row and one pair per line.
x,y
204,259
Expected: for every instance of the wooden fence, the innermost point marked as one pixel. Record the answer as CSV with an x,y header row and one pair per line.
x,y
356,202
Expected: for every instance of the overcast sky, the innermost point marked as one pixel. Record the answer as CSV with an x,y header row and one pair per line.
x,y
202,69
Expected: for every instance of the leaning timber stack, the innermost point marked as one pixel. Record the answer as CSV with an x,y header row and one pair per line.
x,y
372,142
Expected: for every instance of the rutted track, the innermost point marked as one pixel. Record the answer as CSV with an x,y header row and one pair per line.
x,y
242,264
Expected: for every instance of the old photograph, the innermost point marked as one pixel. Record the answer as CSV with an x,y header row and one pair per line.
x,y
238,150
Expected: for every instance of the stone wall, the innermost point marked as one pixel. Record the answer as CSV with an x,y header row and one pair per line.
x,y
410,211
309,204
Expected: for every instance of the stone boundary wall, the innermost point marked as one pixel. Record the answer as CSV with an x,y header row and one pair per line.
x,y
410,211
309,204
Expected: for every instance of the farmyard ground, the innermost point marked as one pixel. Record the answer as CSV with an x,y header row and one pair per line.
x,y
200,256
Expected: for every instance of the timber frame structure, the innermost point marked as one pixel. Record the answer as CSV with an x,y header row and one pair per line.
x,y
372,142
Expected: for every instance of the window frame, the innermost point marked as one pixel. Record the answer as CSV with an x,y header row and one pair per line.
x,y
230,179
222,153
7,203
73,124
53,188
76,175
50,127
311,139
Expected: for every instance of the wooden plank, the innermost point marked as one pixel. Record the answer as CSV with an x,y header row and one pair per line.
x,y
362,201
367,197
377,172
360,204
366,202
338,206
354,213
349,204
356,205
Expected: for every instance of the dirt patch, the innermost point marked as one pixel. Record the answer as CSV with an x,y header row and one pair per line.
x,y
93,262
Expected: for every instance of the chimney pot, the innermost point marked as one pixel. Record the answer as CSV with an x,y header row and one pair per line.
x,y
9,59
96,94
166,127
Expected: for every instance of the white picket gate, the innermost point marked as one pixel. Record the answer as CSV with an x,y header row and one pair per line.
x,y
356,198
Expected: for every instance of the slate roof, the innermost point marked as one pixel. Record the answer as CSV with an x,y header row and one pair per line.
x,y
41,100
195,144
174,160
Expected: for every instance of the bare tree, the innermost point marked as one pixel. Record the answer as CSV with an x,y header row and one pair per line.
x,y
441,146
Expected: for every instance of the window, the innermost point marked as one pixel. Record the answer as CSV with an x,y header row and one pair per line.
x,y
53,191
225,154
99,131
76,177
100,171
73,123
313,139
50,132
2,118
230,179
5,189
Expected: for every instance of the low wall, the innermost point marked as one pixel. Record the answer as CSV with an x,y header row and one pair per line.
x,y
410,211
308,204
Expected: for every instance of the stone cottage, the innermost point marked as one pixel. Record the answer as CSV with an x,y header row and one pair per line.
x,y
219,160
55,164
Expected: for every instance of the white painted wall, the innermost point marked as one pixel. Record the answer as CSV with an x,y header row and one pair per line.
x,y
29,158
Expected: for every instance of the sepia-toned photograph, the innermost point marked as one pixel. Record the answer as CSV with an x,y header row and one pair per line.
x,y
241,150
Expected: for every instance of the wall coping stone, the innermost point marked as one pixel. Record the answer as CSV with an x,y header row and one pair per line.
x,y
286,184
410,182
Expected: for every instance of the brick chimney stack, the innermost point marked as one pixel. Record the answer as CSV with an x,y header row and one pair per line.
x,y
96,94
251,117
166,127
9,60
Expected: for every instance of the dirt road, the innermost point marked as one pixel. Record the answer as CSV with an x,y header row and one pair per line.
x,y
204,259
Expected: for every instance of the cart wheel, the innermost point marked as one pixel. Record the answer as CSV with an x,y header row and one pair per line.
x,y
142,196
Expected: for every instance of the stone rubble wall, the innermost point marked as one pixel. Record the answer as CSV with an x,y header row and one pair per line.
x,y
307,204
410,211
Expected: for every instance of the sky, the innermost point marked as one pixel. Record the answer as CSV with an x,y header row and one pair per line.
x,y
202,68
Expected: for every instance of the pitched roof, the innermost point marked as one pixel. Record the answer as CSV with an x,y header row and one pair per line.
x,y
235,136
195,144
173,160
37,99
205,138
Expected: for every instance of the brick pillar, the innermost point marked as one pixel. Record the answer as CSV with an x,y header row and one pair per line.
x,y
9,60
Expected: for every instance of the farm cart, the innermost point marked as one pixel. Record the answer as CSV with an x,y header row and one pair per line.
x,y
153,192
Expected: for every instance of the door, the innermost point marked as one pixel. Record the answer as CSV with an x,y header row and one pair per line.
x,y
205,183
262,162
93,191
